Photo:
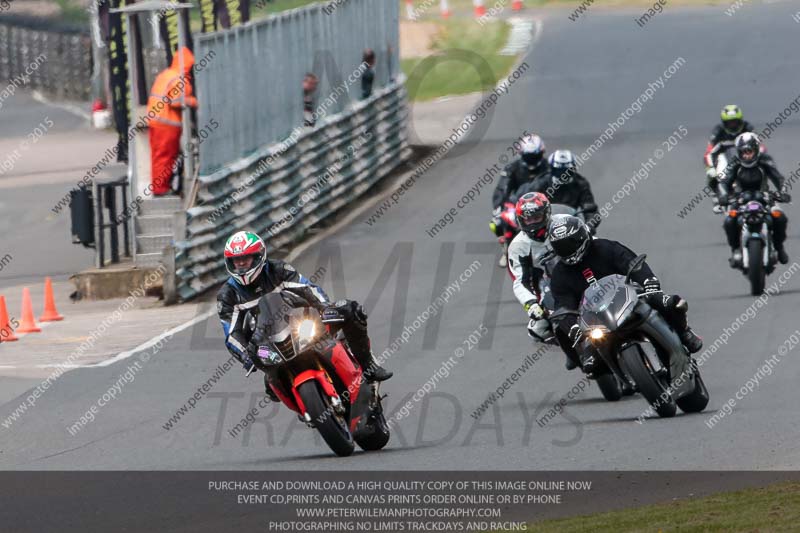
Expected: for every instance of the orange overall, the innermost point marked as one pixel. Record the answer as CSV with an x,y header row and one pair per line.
x,y
164,114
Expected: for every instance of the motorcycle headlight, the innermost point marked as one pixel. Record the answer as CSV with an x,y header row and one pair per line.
x,y
306,330
597,334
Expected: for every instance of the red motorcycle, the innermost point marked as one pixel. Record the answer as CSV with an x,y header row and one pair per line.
x,y
505,228
313,372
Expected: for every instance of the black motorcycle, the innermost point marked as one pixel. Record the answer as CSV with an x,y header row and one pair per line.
x,y
625,337
611,387
754,216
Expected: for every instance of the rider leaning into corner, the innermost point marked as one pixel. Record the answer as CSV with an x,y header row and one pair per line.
x,y
751,172
583,260
252,276
563,185
529,255
731,126
524,265
531,164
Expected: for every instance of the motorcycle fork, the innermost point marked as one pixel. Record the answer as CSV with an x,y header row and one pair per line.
x,y
323,379
606,350
764,235
668,346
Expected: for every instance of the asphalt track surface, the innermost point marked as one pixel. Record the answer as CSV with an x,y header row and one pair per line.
x,y
38,240
583,75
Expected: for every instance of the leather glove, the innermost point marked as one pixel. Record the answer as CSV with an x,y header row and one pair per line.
x,y
534,310
539,330
574,334
783,197
496,212
247,362
652,286
256,340
711,173
719,208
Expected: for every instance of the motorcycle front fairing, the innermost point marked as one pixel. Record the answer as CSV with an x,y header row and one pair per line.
x,y
293,333
606,307
607,303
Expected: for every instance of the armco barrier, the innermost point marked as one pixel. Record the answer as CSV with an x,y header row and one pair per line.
x,y
57,61
353,149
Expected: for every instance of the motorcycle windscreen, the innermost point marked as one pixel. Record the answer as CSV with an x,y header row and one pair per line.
x,y
561,209
606,302
274,316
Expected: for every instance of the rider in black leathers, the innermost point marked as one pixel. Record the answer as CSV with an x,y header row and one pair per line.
x,y
531,165
751,172
584,260
241,295
565,186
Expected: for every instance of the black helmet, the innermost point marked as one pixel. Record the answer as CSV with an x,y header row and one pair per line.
x,y
532,149
748,148
569,237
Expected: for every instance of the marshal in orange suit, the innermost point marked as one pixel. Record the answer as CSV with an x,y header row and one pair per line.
x,y
164,114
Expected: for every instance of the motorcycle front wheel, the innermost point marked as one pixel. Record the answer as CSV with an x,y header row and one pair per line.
x,y
653,388
330,425
610,386
755,268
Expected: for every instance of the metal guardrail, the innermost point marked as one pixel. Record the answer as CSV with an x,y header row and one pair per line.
x,y
292,182
57,62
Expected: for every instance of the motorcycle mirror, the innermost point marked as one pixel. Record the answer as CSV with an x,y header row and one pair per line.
x,y
634,266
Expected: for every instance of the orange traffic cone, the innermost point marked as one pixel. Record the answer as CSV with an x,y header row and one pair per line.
x,y
50,313
6,331
516,5
28,324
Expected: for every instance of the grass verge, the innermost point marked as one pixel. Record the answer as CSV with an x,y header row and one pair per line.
x,y
261,8
465,59
72,12
772,508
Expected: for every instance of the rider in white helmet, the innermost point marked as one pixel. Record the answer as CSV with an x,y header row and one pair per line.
x,y
252,275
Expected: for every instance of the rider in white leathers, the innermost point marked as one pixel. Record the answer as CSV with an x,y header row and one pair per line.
x,y
525,254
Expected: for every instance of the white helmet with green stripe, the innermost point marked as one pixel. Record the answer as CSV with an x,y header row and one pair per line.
x,y
245,256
